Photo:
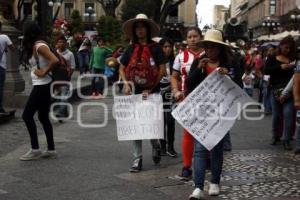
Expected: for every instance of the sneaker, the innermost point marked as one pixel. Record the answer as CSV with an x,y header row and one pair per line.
x,y
32,154
171,152
156,157
136,165
197,194
214,189
49,154
186,174
297,152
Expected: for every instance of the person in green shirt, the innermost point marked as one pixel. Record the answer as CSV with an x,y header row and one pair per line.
x,y
97,66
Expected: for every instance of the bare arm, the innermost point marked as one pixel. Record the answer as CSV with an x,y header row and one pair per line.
x,y
175,79
296,90
48,55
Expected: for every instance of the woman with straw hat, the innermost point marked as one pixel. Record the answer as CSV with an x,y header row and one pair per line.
x,y
140,30
217,57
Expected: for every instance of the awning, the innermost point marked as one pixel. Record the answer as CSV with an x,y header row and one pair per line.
x,y
279,36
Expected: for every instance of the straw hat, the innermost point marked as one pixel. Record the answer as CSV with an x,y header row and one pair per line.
x,y
112,62
214,36
127,26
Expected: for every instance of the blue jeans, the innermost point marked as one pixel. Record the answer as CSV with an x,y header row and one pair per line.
x,y
287,107
249,91
2,80
83,61
298,137
267,97
216,163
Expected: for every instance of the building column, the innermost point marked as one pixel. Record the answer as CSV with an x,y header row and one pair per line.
x,y
14,82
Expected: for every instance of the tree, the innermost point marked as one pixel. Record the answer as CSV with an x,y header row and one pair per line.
x,y
76,22
131,8
109,6
109,28
166,8
158,10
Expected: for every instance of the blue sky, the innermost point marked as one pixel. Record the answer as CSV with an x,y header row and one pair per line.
x,y
205,10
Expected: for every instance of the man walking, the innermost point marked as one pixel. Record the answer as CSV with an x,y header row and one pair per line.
x,y
5,43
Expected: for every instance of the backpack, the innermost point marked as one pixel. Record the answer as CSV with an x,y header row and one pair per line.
x,y
142,69
61,71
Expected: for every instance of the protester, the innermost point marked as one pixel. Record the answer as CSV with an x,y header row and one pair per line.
x,y
83,52
5,43
61,44
281,69
140,54
296,92
248,81
97,66
181,68
42,61
165,88
217,55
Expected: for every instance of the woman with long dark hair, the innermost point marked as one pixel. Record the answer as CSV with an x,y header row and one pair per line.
x,y
167,144
181,68
42,61
280,67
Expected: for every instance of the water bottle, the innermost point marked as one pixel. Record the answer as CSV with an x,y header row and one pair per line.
x,y
298,118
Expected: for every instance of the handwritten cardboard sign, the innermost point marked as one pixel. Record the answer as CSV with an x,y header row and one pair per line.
x,y
211,110
139,119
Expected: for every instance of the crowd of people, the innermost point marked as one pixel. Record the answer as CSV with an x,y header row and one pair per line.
x,y
269,73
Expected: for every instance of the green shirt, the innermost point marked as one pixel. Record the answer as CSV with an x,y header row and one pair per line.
x,y
98,56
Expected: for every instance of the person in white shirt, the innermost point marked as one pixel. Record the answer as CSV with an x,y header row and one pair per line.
x,y
248,82
5,43
61,45
42,60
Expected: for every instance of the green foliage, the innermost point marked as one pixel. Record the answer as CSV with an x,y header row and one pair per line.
x,y
76,22
109,28
131,8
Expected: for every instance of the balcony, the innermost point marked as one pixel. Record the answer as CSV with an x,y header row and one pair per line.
x,y
89,18
174,20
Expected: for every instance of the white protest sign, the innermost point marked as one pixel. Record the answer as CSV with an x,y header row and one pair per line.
x,y
139,119
210,111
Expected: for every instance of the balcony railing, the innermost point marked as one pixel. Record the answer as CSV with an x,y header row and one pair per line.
x,y
89,18
174,20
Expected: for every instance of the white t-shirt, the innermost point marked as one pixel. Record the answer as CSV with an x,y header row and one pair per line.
x,y
4,43
43,63
248,80
184,67
69,56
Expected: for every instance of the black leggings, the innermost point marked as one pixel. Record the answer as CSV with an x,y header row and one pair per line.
x,y
40,101
169,121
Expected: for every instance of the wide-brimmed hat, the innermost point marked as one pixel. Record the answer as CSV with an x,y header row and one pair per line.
x,y
214,36
127,26
111,62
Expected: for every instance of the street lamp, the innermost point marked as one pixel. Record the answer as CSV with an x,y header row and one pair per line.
x,y
271,25
89,13
51,3
295,18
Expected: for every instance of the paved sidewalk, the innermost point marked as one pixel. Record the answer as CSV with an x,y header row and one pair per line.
x,y
93,165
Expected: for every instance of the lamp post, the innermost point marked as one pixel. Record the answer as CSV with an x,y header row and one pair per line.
x,y
296,19
89,13
271,25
